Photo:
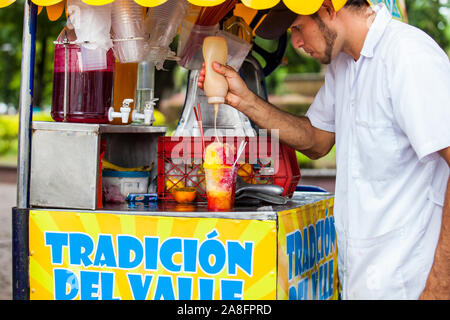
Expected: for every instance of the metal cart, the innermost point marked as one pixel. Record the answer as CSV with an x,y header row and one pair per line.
x,y
67,246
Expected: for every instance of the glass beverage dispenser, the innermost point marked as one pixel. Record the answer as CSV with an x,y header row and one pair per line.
x,y
81,93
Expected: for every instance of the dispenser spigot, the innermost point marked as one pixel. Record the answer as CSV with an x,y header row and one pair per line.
x,y
147,114
124,111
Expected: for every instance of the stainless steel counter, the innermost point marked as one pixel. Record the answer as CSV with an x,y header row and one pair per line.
x,y
241,211
95,128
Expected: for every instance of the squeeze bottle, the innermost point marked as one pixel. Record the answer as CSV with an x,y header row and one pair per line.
x,y
215,85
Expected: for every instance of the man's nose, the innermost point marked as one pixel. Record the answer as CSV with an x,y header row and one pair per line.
x,y
297,41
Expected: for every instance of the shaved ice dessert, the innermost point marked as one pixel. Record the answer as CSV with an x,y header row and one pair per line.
x,y
220,176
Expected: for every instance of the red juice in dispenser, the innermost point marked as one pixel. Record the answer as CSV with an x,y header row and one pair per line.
x,y
89,93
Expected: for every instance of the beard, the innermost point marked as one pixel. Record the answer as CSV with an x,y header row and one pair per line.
x,y
329,36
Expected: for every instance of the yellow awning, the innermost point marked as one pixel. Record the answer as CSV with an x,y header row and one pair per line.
x,y
298,6
5,3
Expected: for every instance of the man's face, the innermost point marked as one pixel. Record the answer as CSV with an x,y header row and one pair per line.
x,y
314,36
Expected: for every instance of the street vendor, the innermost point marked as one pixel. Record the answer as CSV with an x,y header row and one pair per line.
x,y
385,104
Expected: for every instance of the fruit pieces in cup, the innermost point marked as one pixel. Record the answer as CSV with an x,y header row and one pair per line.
x,y
220,176
220,188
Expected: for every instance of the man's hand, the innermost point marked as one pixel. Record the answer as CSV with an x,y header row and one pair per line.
x,y
238,91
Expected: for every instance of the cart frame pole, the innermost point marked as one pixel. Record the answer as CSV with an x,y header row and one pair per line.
x,y
26,104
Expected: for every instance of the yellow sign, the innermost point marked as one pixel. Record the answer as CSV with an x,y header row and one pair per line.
x,y
307,253
87,255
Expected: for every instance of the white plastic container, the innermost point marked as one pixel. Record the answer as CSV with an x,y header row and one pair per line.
x,y
116,185
215,86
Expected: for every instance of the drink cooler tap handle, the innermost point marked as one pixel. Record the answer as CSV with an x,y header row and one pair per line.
x,y
124,111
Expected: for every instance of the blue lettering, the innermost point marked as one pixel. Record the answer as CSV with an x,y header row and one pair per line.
x,y
332,234
319,240
81,246
105,255
139,288
240,256
151,253
166,253
306,253
89,284
128,246
330,278
206,288
56,241
290,253
303,289
190,255
107,284
321,283
184,288
213,248
314,285
64,279
164,289
292,293
231,289
298,253
327,236
312,246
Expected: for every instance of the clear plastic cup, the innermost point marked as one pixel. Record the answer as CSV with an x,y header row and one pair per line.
x,y
191,56
127,26
162,22
129,51
220,188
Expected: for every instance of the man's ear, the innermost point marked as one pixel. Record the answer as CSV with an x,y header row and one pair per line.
x,y
328,10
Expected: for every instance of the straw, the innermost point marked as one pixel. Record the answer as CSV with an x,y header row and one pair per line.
x,y
240,150
198,116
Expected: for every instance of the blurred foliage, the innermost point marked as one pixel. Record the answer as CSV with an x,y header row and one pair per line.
x,y
326,162
432,16
11,25
9,131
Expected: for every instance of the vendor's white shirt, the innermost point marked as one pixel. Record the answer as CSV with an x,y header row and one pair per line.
x,y
390,111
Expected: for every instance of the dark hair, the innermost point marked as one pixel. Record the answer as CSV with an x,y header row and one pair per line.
x,y
357,3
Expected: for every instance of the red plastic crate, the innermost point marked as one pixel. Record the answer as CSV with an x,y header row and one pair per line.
x,y
180,163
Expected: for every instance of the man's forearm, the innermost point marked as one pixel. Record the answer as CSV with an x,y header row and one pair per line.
x,y
295,131
438,282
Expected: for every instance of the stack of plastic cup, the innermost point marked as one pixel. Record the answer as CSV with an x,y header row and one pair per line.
x,y
163,22
127,26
